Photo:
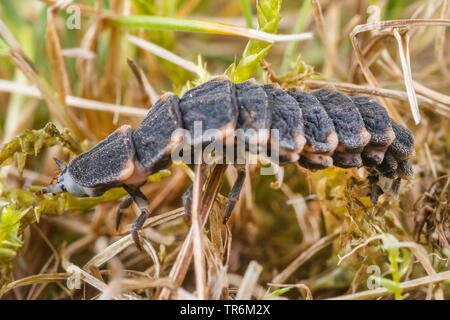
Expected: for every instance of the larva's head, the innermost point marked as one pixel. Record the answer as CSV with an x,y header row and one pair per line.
x,y
64,183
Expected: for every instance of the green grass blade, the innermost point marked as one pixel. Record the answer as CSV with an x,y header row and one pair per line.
x,y
268,13
268,23
299,26
247,12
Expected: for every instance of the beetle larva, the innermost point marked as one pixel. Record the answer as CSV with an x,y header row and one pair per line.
x,y
317,130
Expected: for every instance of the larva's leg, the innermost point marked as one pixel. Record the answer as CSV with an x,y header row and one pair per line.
x,y
142,202
405,170
388,168
233,197
125,204
313,161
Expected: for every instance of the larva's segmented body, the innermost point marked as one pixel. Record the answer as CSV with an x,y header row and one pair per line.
x,y
317,130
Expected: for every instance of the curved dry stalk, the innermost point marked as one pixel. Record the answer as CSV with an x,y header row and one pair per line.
x,y
54,255
372,50
403,48
39,278
84,9
309,295
365,243
393,69
118,246
390,24
421,255
153,255
406,286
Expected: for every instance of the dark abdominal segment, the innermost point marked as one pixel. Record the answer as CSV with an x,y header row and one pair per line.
x,y
378,124
349,125
155,138
212,105
287,120
321,138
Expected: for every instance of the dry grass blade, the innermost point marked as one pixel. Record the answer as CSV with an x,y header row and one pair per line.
x,y
249,281
186,8
39,278
157,220
198,246
140,284
118,246
369,75
439,48
402,38
390,24
422,256
71,101
430,160
151,94
59,113
311,233
406,286
309,295
163,53
110,252
259,291
401,23
302,258
153,255
78,274
181,294
318,16
84,9
180,267
58,68
78,53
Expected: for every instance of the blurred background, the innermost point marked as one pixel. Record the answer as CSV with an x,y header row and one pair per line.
x,y
88,67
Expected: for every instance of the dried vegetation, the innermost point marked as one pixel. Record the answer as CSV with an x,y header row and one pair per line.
x,y
300,235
